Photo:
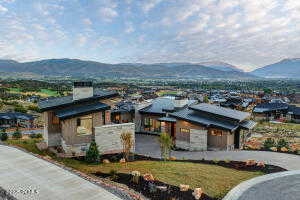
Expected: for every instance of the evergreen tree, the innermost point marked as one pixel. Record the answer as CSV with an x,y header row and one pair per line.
x,y
92,155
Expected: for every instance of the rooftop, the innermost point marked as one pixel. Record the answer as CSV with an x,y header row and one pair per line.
x,y
51,103
220,111
81,110
16,115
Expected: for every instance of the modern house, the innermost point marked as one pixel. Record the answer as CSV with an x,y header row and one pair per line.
x,y
205,126
14,119
158,111
72,122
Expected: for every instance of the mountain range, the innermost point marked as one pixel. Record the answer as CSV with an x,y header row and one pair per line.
x,y
287,68
91,69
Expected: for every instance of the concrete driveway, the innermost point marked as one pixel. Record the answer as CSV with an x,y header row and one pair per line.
x,y
27,177
148,145
277,186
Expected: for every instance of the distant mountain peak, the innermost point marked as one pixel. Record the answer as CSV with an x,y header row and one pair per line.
x,y
220,66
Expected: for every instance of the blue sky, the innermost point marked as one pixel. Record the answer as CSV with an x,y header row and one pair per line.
x,y
245,33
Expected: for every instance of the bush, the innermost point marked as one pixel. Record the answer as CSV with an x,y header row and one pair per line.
x,y
3,136
92,155
282,143
34,135
113,173
166,144
127,143
34,108
268,143
20,108
17,134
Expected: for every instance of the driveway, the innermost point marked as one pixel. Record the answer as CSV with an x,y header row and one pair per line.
x,y
277,186
28,177
148,145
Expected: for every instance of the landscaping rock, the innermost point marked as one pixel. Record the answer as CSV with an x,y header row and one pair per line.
x,y
197,193
184,188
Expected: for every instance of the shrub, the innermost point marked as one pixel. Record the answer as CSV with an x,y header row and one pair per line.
x,y
166,144
227,161
3,136
216,161
282,143
268,143
34,135
20,108
17,134
34,108
273,148
92,155
136,177
113,174
114,159
127,143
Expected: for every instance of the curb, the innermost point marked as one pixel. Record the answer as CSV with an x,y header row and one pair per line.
x,y
239,190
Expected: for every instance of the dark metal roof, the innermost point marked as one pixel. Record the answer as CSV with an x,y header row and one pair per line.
x,y
81,110
16,115
159,106
220,111
294,110
163,105
167,119
52,103
268,107
124,107
248,124
203,119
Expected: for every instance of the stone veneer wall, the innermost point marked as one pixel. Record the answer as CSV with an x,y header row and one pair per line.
x,y
108,137
198,141
53,139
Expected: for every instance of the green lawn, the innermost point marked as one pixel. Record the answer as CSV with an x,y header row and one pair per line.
x,y
49,92
14,89
216,181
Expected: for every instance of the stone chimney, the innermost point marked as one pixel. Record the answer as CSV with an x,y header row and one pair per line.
x,y
82,90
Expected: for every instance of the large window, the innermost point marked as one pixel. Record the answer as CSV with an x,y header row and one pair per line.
x,y
216,132
84,125
148,122
184,130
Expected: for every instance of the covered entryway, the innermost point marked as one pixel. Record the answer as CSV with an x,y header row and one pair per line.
x,y
216,139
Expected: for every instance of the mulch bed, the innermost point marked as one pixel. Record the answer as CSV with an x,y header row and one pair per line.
x,y
150,190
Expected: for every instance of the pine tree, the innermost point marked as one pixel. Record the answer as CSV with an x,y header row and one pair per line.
x,y
92,155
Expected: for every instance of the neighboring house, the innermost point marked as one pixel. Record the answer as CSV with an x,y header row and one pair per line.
x,y
123,113
72,122
270,111
276,111
158,111
205,126
14,119
234,103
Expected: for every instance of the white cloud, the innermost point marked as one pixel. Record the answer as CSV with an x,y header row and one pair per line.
x,y
3,9
129,27
107,14
81,40
38,27
87,21
8,1
147,5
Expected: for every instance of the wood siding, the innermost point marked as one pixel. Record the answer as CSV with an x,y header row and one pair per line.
x,y
183,124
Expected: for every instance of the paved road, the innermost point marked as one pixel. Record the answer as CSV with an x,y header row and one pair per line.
x,y
31,178
278,186
148,145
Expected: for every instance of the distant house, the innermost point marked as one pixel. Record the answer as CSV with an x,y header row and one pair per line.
x,y
14,119
123,112
270,111
276,111
72,122
205,126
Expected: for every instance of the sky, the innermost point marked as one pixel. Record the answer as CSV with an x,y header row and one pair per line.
x,y
245,33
